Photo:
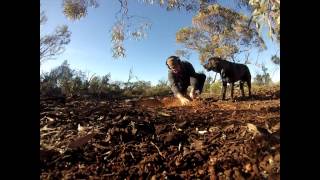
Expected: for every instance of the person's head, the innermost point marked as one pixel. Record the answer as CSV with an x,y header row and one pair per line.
x,y
173,63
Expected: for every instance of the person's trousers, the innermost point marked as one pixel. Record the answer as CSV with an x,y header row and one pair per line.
x,y
198,82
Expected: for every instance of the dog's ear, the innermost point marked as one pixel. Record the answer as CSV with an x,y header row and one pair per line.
x,y
212,61
219,63
216,59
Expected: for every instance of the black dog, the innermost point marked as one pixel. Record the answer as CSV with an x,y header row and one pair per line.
x,y
230,73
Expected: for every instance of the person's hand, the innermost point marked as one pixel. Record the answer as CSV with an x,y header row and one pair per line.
x,y
192,94
183,99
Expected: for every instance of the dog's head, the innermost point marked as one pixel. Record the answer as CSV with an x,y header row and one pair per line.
x,y
212,63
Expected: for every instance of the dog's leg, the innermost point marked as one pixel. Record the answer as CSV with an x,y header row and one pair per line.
x,y
249,86
241,88
231,89
224,90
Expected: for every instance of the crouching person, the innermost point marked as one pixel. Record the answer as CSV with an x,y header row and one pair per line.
x,y
181,75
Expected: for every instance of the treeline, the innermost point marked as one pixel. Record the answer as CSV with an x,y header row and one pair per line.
x,y
64,81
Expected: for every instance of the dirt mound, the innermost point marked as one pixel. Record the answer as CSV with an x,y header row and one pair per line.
x,y
166,102
150,102
174,102
171,102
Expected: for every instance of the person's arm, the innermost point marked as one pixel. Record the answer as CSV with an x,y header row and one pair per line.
x,y
175,89
173,84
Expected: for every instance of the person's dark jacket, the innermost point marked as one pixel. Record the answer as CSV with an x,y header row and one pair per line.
x,y
179,82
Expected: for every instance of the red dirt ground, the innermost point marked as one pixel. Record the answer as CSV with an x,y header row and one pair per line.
x,y
157,138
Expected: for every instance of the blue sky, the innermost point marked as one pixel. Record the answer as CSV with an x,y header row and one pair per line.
x,y
90,46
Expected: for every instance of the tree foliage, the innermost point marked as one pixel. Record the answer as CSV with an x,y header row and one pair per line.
x,y
267,12
183,53
219,31
63,80
127,26
52,45
77,9
275,59
264,78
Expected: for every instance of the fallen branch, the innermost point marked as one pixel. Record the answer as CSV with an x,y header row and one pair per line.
x,y
57,159
158,149
45,134
132,155
81,141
